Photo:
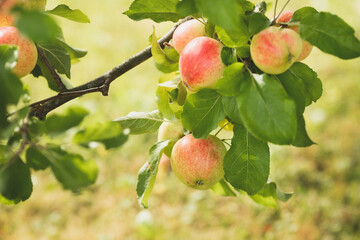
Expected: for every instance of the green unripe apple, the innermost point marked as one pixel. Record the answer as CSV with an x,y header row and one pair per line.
x,y
198,162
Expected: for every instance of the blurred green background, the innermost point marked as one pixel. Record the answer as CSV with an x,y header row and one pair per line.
x,y
325,177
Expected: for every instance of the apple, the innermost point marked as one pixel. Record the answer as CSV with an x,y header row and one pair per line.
x,y
274,49
27,50
170,131
6,5
200,63
306,46
164,166
198,162
186,32
6,19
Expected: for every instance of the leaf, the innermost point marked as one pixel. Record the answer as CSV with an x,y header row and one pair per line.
x,y
36,25
202,112
13,124
222,188
269,195
257,23
267,111
147,173
228,56
224,13
15,181
35,159
11,88
58,57
141,122
330,34
313,85
231,38
187,8
64,11
231,108
232,80
247,162
156,10
72,117
260,7
162,96
109,133
302,13
302,138
71,170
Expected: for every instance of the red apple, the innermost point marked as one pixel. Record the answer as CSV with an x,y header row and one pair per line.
x,y
186,32
306,46
27,51
200,63
274,49
198,162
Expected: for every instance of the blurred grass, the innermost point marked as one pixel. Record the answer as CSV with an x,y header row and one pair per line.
x,y
324,177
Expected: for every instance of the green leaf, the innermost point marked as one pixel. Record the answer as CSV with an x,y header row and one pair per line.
x,y
232,38
224,13
13,124
163,62
202,112
257,23
302,138
269,195
36,25
302,13
11,87
228,56
267,111
243,51
15,181
71,170
35,159
187,8
231,108
147,173
313,85
162,96
64,11
58,57
330,34
260,7
247,162
109,133
231,82
59,123
141,122
75,53
222,188
156,10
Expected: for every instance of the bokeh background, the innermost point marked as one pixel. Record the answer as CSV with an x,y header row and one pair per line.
x,y
324,178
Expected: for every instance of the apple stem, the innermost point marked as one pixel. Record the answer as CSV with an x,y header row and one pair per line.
x,y
226,142
276,3
221,129
275,18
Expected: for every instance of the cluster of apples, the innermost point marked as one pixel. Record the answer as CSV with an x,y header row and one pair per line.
x,y
199,162
9,35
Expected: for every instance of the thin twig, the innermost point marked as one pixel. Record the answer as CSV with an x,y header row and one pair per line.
x,y
100,84
56,77
282,10
221,129
276,3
